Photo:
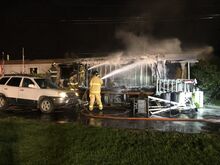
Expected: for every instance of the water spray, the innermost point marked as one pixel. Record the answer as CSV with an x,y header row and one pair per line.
x,y
96,66
124,69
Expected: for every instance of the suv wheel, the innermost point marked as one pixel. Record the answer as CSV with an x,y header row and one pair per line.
x,y
3,103
46,105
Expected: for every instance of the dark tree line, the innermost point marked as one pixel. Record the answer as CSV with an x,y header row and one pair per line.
x,y
207,74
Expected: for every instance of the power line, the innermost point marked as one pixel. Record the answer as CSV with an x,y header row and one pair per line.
x,y
124,20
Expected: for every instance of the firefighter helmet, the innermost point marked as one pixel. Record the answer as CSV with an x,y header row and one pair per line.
x,y
95,72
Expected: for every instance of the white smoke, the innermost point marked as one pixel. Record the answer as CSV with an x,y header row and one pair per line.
x,y
143,49
169,49
115,58
199,52
148,45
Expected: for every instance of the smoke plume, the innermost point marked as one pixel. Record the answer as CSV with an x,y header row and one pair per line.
x,y
144,44
165,48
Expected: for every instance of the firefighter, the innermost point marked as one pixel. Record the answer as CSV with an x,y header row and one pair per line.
x,y
81,75
95,91
53,72
73,80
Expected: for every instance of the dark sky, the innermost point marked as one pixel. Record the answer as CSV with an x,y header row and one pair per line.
x,y
60,28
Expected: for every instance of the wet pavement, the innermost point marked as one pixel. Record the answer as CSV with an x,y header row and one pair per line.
x,y
211,122
210,114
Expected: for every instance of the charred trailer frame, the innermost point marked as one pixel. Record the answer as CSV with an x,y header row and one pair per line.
x,y
122,80
131,78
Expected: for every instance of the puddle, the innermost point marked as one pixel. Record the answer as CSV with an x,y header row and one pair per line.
x,y
212,116
60,116
68,116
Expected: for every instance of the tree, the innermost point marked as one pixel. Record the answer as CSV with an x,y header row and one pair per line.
x,y
207,75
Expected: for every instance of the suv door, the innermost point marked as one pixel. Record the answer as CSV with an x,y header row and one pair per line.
x,y
27,94
12,88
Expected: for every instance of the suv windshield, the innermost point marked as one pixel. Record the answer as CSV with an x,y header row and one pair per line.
x,y
46,83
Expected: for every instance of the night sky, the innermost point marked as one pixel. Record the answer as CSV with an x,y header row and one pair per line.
x,y
68,28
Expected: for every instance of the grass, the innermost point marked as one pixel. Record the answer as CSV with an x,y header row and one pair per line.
x,y
27,142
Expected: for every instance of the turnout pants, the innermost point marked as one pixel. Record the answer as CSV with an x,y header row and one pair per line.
x,y
95,97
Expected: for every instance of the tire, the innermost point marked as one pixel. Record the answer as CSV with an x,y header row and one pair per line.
x,y
46,105
3,103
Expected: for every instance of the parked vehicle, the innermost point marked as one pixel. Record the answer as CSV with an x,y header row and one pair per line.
x,y
26,90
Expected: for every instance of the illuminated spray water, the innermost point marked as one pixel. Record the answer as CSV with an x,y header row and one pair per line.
x,y
96,66
124,69
112,59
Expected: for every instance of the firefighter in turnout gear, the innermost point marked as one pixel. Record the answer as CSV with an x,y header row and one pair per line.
x,y
95,91
81,75
73,80
53,73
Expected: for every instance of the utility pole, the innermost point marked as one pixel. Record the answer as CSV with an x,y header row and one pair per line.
x,y
22,60
3,64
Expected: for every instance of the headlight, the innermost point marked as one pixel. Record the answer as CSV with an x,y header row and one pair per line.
x,y
77,94
63,94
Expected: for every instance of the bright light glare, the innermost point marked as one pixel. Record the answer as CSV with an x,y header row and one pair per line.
x,y
63,94
77,94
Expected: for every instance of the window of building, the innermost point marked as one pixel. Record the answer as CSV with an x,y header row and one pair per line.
x,y
33,70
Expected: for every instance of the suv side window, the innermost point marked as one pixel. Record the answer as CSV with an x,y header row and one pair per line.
x,y
26,82
14,81
4,80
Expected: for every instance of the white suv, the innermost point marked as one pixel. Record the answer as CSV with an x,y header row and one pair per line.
x,y
34,91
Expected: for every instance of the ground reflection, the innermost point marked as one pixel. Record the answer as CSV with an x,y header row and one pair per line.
x,y
74,115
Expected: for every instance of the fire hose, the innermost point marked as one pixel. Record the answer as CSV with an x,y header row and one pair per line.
x,y
88,114
85,113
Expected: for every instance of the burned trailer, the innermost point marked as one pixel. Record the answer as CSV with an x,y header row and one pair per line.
x,y
177,91
123,79
72,74
153,79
